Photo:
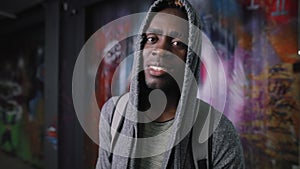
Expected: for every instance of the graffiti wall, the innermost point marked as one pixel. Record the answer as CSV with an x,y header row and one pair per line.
x,y
22,97
257,43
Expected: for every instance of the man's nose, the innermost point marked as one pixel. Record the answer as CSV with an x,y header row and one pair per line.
x,y
162,47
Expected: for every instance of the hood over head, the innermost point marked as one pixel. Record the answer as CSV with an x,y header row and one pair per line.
x,y
188,107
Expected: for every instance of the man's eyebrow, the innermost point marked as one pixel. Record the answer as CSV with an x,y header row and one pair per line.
x,y
154,30
173,34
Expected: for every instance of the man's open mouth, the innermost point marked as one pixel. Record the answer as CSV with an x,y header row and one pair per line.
x,y
157,70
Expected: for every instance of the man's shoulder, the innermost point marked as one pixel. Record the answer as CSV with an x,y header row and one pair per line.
x,y
222,128
227,148
225,125
221,122
108,108
225,135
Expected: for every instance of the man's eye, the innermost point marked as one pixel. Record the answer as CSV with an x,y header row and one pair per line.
x,y
179,44
151,39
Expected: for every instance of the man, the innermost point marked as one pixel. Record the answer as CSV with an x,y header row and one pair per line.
x,y
162,124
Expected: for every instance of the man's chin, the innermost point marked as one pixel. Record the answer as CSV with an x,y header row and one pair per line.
x,y
154,86
163,83
160,85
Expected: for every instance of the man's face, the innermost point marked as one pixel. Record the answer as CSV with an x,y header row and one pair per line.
x,y
164,51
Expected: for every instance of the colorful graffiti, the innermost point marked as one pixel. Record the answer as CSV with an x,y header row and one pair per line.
x,y
11,113
257,43
22,106
270,122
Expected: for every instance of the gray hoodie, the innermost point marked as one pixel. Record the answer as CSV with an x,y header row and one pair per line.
x,y
122,149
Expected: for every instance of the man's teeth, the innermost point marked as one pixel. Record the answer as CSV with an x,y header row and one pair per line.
x,y
157,68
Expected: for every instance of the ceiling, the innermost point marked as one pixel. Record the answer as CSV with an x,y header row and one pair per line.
x,y
11,8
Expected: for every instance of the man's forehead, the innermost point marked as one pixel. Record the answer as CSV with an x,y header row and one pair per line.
x,y
166,32
167,24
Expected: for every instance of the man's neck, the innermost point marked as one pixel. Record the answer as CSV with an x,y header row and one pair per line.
x,y
173,97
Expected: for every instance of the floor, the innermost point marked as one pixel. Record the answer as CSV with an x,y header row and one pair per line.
x,y
9,162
